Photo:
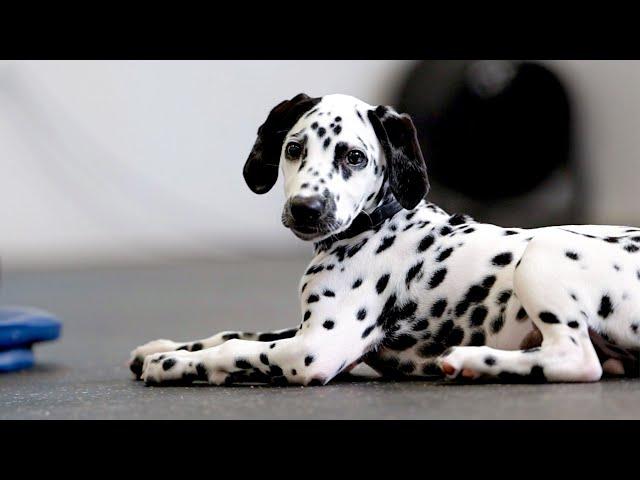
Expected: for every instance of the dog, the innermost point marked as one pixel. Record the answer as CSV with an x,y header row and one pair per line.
x,y
403,286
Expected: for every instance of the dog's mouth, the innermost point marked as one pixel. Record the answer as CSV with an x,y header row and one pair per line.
x,y
322,229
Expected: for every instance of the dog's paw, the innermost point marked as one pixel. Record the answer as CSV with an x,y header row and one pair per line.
x,y
181,367
457,361
172,367
138,355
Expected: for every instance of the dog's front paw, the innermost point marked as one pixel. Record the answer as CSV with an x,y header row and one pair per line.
x,y
138,355
173,367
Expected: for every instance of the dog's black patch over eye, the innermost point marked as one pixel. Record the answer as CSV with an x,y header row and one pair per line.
x,y
293,150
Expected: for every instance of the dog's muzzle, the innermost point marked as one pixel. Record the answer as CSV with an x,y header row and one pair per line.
x,y
309,217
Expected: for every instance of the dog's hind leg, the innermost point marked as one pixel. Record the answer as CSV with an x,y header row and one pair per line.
x,y
162,346
556,297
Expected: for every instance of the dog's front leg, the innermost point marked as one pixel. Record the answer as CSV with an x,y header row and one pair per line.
x,y
314,356
138,355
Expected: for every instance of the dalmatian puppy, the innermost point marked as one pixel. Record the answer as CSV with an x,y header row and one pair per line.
x,y
399,284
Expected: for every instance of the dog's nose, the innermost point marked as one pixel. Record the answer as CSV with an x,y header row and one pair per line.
x,y
305,210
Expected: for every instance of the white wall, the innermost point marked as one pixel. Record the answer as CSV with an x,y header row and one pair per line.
x,y
131,160
118,160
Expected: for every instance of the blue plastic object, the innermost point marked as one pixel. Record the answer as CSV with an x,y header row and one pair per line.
x,y
18,359
20,327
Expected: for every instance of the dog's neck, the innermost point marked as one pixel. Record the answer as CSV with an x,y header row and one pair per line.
x,y
384,206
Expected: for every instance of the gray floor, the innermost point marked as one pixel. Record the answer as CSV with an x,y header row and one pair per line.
x,y
107,312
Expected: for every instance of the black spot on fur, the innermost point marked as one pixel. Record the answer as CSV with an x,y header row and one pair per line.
x,y
368,330
443,331
504,297
548,317
462,307
478,315
329,293
421,325
477,339
328,324
573,324
489,281
489,360
425,243
413,271
502,259
438,308
198,346
386,243
437,278
243,364
458,219
400,343
606,307
382,282
314,269
456,336
522,314
357,283
264,359
168,363
313,298
445,230
497,324
201,371
444,255
362,314
572,255
631,248
269,336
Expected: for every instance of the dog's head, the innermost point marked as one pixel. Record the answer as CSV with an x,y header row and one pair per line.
x,y
338,155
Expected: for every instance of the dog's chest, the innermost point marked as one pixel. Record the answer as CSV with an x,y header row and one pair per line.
x,y
442,271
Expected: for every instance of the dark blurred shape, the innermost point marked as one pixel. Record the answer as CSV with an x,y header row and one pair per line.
x,y
495,134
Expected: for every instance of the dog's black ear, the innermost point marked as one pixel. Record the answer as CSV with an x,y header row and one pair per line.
x,y
407,169
261,168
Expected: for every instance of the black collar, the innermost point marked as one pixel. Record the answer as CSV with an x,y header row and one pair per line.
x,y
363,222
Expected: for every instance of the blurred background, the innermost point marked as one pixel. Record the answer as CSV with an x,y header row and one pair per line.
x,y
119,162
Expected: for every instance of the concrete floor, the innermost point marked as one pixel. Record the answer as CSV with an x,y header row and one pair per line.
x,y
108,311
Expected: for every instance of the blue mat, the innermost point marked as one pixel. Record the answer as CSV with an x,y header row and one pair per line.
x,y
20,328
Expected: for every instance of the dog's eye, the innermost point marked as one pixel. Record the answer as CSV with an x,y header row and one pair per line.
x,y
356,158
293,150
